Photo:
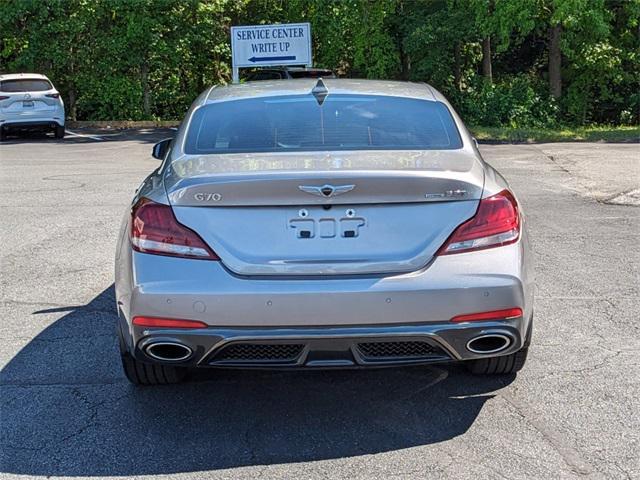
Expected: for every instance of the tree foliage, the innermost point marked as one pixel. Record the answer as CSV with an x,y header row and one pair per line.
x,y
148,59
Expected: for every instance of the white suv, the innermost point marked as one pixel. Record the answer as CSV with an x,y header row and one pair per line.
x,y
29,101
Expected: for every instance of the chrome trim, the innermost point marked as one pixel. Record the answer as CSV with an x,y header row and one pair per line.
x,y
508,341
326,190
147,350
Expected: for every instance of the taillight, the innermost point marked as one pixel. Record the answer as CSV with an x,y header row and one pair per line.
x,y
496,223
154,229
493,315
3,97
52,95
155,322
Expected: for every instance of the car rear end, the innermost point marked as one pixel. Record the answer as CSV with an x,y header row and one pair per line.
x,y
30,102
375,237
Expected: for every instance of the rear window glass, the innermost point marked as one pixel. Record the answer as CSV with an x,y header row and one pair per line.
x,y
25,85
342,122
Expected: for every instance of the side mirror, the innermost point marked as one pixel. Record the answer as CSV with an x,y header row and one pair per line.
x,y
161,148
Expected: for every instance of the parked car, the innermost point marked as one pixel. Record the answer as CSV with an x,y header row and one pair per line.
x,y
282,73
29,101
322,224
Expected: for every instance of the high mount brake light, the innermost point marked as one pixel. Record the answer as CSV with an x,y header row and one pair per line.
x,y
154,229
496,223
493,315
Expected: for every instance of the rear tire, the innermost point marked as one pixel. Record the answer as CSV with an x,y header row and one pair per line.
x,y
59,131
139,373
3,135
505,365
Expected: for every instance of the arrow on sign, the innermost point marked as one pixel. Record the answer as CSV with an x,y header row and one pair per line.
x,y
271,59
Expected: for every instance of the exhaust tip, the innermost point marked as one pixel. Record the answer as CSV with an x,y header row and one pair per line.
x,y
491,343
168,351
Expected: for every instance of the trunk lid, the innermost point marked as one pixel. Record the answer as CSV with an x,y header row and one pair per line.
x,y
27,104
325,213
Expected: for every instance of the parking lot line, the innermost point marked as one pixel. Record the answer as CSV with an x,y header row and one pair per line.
x,y
92,137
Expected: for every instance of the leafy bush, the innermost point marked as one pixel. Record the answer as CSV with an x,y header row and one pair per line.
x,y
148,59
517,101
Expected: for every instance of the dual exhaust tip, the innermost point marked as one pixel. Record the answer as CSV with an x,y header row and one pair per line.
x,y
168,351
489,343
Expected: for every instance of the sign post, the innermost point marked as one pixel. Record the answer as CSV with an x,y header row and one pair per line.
x,y
270,45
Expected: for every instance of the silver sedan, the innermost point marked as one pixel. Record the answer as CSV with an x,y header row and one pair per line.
x,y
322,224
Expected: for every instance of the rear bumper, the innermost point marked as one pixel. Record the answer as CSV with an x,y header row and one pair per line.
x,y
339,347
17,123
325,314
153,285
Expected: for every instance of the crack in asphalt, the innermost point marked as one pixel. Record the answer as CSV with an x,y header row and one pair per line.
x,y
592,368
571,456
619,198
622,470
94,411
442,375
627,198
75,185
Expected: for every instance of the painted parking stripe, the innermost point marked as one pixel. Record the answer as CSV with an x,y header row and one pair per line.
x,y
92,137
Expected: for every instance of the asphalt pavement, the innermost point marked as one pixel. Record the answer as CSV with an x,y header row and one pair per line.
x,y
67,410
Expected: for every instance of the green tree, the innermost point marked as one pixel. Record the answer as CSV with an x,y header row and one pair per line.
x,y
547,61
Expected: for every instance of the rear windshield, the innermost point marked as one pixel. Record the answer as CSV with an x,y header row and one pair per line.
x,y
25,85
342,122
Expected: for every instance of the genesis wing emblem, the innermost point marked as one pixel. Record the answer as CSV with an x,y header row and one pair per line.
x,y
327,191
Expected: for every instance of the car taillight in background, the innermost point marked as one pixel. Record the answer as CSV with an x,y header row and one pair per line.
x,y
3,97
496,223
154,229
53,95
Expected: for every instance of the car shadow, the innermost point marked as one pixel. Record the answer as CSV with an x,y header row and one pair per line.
x,y
67,409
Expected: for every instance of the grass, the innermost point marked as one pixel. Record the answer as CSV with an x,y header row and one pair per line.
x,y
624,134
609,134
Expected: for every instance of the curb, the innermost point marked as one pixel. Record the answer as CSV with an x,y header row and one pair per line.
x,y
122,124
